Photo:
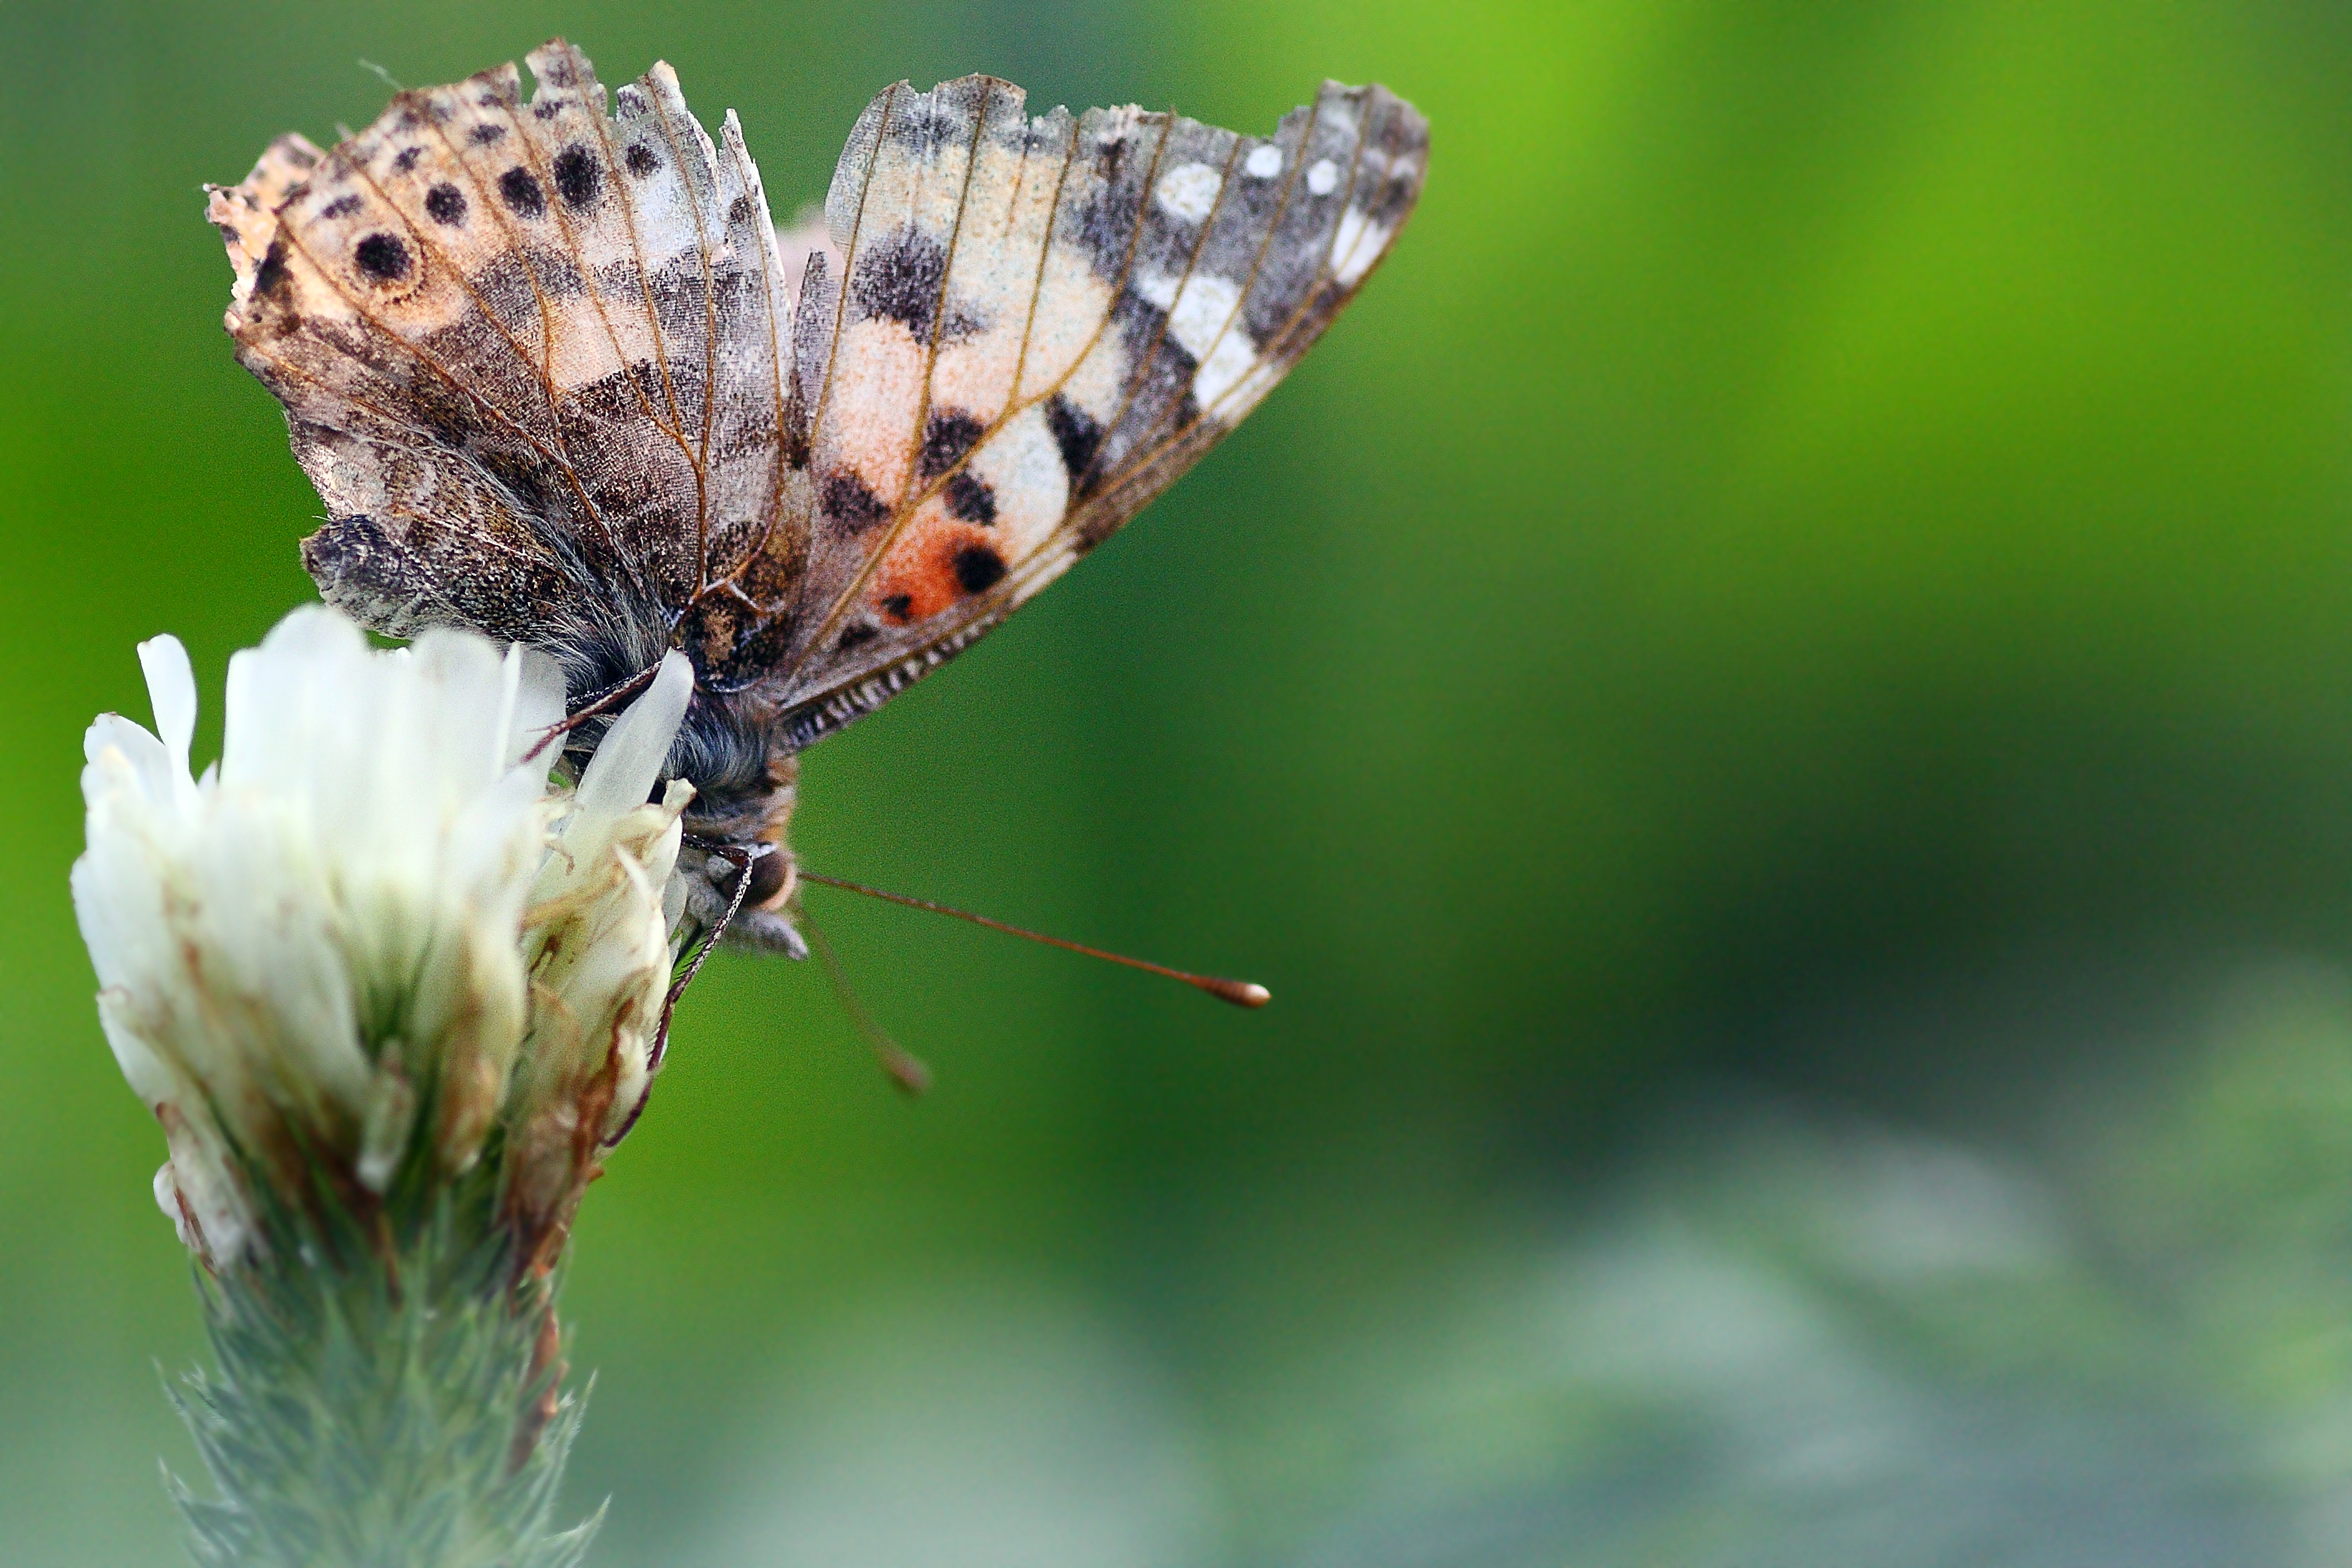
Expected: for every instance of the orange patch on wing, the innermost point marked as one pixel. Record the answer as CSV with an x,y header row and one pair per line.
x,y
935,562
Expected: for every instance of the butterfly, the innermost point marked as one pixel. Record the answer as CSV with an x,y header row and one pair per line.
x,y
558,379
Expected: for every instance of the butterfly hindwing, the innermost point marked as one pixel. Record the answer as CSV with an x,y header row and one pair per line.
x,y
1039,325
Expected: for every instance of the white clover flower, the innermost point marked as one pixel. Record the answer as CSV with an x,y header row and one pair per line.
x,y
313,961
597,939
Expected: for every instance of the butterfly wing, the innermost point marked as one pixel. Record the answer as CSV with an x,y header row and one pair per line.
x,y
532,355
540,360
1037,325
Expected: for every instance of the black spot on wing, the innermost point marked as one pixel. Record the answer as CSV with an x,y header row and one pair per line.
x,y
858,633
948,436
482,135
382,256
1075,433
979,568
641,160
739,211
342,207
898,607
969,497
844,499
898,280
272,276
578,177
445,204
523,193
407,159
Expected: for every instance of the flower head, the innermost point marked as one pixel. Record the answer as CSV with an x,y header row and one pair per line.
x,y
356,947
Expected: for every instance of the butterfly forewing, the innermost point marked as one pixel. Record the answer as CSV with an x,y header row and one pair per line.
x,y
1040,325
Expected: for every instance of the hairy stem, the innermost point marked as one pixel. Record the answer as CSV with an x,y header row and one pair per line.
x,y
385,1393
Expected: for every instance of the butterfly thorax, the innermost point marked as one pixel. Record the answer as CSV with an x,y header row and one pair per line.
x,y
731,749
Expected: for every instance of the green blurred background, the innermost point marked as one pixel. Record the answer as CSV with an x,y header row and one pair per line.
x,y
1775,705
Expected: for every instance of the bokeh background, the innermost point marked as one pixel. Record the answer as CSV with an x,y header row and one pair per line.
x,y
1775,705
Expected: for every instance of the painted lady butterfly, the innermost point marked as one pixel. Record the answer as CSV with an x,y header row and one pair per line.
x,y
558,378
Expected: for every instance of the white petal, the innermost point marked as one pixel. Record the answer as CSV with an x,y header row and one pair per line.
x,y
171,689
139,762
621,775
538,706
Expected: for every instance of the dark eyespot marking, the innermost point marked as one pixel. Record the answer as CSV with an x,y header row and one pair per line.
x,y
969,497
1076,432
979,568
846,500
946,438
407,159
898,607
739,211
273,276
578,177
548,108
445,204
342,207
382,256
482,135
521,192
899,279
641,160
858,636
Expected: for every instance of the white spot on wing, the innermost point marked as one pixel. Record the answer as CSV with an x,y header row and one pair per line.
x,y
1197,315
1188,191
1357,245
1233,358
1324,177
1263,163
1203,319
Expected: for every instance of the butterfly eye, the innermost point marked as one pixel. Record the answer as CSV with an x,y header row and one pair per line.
x,y
768,873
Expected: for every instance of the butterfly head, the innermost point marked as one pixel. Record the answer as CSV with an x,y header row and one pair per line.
x,y
735,830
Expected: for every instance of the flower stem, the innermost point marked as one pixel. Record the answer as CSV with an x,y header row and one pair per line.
x,y
386,1394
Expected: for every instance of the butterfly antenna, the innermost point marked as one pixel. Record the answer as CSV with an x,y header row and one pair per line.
x,y
1240,992
906,1069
